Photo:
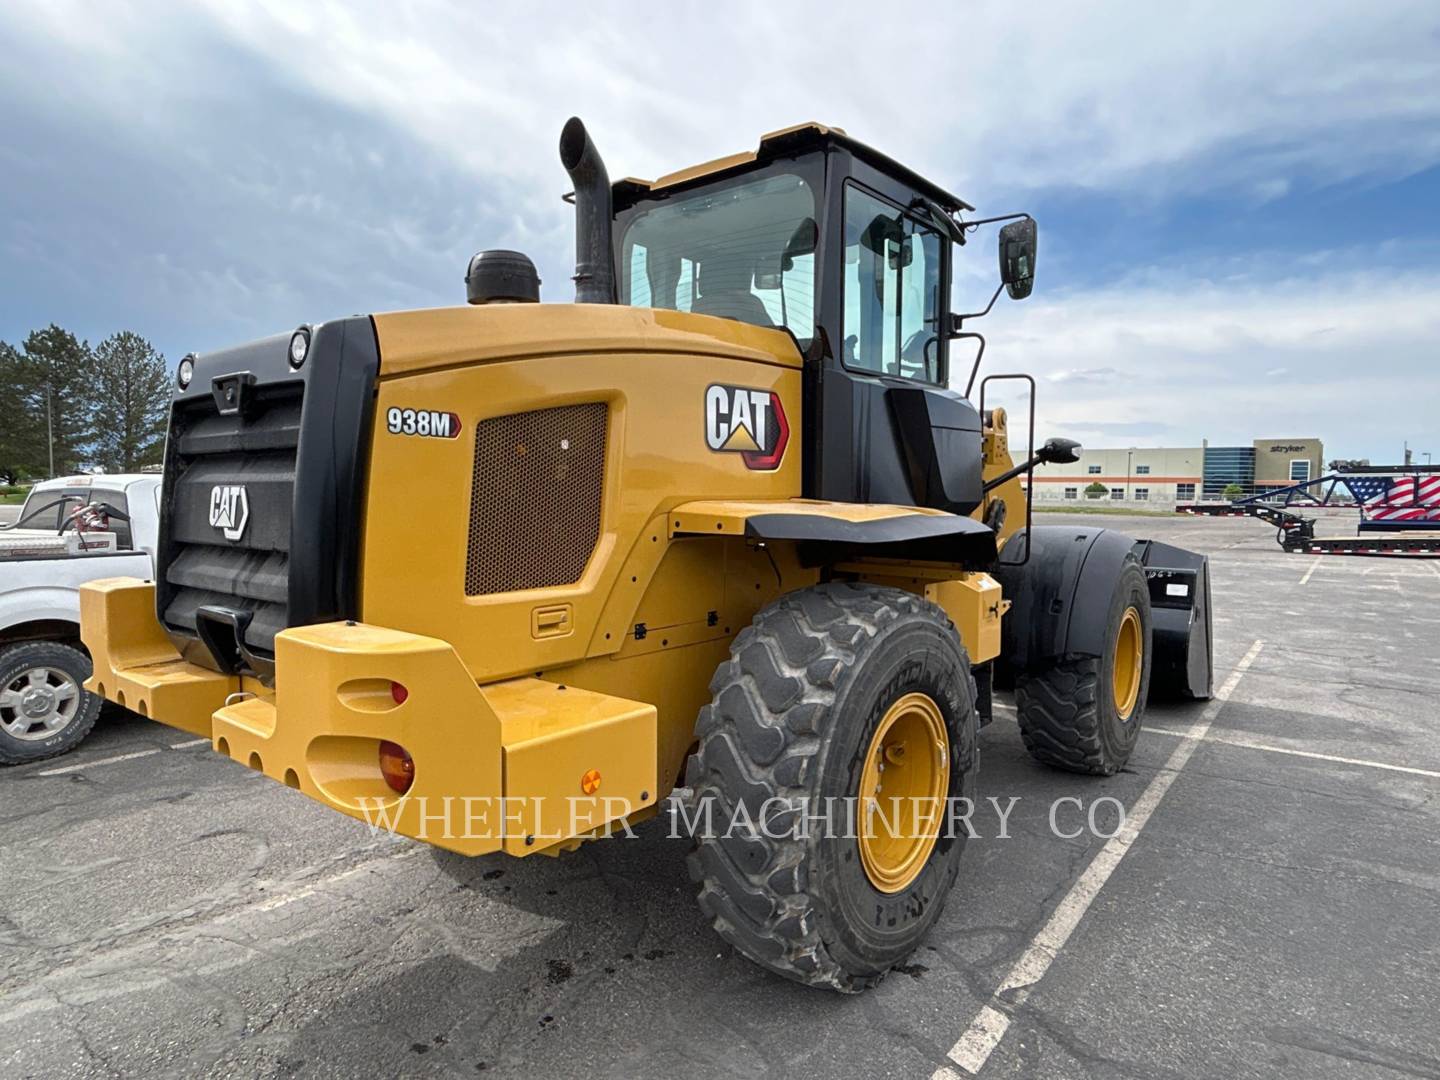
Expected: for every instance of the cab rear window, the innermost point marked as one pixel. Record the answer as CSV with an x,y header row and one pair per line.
x,y
47,509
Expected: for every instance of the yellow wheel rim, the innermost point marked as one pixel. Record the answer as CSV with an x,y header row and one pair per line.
x,y
1129,662
902,792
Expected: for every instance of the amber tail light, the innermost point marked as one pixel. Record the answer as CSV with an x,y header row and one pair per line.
x,y
397,766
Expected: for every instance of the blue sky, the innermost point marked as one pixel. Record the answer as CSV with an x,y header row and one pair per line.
x,y
1239,205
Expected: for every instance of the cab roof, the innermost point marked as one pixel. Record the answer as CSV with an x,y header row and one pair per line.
x,y
789,141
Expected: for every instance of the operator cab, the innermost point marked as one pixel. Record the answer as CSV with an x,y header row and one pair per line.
x,y
850,253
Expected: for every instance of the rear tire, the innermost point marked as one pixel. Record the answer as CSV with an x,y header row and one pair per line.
x,y
1084,713
817,686
44,707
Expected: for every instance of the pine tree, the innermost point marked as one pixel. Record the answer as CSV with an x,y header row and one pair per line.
x,y
132,402
17,436
56,367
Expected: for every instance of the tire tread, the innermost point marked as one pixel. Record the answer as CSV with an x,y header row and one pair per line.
x,y
760,739
1059,717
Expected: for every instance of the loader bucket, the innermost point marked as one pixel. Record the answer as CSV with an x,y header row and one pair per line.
x,y
1183,655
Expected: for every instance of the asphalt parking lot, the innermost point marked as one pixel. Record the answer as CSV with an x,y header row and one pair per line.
x,y
1270,909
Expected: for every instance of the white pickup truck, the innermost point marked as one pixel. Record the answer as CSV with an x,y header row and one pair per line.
x,y
71,530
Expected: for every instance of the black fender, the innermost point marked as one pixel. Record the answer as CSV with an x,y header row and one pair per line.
x,y
938,538
829,532
1060,595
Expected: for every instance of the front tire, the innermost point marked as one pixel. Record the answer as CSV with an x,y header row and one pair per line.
x,y
823,691
1083,714
44,708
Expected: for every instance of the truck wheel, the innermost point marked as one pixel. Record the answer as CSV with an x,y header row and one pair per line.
x,y
1084,713
44,708
835,699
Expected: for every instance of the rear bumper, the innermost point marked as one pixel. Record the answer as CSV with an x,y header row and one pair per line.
x,y
497,767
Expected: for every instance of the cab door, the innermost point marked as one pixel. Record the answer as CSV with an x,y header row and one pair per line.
x,y
890,429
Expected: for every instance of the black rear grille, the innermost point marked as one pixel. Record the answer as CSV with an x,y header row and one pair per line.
x,y
292,445
254,452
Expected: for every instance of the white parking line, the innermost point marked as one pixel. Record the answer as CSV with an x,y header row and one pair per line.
x,y
40,997
974,1047
286,899
96,764
1318,560
1255,744
102,762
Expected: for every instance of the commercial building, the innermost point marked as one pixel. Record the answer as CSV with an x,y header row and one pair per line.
x,y
1135,475
1229,467
1282,462
1149,475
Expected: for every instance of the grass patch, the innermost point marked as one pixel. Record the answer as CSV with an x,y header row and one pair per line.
x,y
1118,511
12,496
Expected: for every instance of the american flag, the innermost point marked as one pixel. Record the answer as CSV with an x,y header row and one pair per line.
x,y
1397,498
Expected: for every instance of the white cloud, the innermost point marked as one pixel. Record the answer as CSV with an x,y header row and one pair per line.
x,y
1084,375
1233,361
1004,98
455,110
1017,96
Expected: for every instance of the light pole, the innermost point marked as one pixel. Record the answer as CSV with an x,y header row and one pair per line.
x,y
49,430
1129,455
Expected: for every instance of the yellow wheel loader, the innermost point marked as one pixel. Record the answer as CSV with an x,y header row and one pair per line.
x,y
717,536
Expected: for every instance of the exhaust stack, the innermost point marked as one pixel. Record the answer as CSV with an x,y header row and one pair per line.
x,y
594,269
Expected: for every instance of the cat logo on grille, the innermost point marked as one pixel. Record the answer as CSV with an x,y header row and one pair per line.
x,y
229,510
751,423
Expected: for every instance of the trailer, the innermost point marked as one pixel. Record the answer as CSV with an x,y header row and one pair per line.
x,y
1399,508
1423,545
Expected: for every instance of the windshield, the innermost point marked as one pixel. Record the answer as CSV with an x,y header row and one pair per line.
x,y
743,250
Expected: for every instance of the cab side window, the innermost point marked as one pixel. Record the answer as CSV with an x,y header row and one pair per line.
x,y
892,291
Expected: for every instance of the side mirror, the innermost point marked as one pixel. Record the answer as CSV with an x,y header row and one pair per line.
x,y
1059,452
1017,257
803,241
884,235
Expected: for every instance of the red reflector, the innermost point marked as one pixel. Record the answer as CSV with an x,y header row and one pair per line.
x,y
396,766
399,693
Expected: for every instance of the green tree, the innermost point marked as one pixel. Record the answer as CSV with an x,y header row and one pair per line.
x,y
55,368
1096,490
17,437
132,402
1232,491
